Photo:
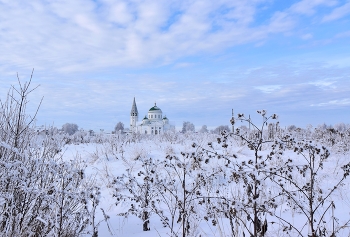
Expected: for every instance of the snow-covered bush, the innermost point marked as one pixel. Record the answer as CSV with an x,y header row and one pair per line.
x,y
308,191
249,211
41,195
272,179
135,190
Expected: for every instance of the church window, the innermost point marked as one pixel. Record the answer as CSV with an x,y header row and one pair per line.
x,y
156,132
145,131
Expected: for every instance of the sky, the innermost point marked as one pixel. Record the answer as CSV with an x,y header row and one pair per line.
x,y
197,59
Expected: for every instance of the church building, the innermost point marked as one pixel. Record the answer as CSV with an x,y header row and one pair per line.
x,y
153,123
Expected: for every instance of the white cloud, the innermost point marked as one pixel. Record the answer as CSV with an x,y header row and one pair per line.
x,y
326,83
340,102
118,13
338,13
81,35
307,36
343,35
268,88
307,7
183,65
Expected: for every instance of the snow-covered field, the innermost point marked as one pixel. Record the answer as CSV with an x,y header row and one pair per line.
x,y
263,181
229,197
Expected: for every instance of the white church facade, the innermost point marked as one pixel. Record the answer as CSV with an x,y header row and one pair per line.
x,y
153,123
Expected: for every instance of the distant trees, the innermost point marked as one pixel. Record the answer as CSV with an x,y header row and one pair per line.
x,y
221,128
188,127
341,127
291,128
204,129
119,127
70,128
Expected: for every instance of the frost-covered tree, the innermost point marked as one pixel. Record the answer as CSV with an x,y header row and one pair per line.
x,y
119,127
187,127
70,128
322,126
204,129
221,128
341,127
291,128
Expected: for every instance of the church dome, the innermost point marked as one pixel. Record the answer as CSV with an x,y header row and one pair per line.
x,y
155,108
145,120
155,113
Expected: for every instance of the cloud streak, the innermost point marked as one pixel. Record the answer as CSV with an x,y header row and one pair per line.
x,y
338,13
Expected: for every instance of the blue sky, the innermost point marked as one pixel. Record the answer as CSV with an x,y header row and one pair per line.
x,y
197,59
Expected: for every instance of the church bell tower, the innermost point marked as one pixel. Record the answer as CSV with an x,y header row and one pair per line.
x,y
134,115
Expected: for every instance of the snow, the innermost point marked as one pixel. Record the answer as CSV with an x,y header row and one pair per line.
x,y
104,163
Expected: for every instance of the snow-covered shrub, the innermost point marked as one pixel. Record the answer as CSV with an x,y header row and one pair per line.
x,y
181,183
308,191
271,179
249,211
41,195
135,190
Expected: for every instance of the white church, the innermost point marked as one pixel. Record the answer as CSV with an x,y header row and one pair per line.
x,y
153,123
